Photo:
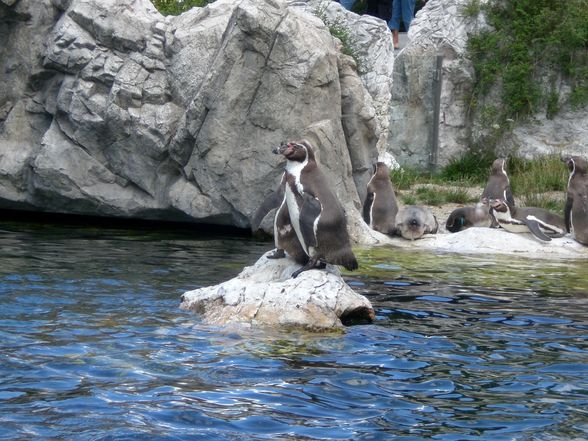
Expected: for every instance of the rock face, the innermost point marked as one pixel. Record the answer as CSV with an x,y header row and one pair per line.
x,y
265,294
438,30
108,108
442,29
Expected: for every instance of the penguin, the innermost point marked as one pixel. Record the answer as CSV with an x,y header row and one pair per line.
x,y
576,208
414,221
540,222
498,186
380,206
466,217
316,214
285,238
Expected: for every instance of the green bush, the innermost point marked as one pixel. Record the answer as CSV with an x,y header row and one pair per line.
x,y
176,7
528,35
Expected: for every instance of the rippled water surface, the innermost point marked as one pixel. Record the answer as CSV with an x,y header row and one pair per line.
x,y
93,346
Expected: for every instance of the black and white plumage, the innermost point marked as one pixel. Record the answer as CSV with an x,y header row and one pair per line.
x,y
316,214
576,209
498,185
542,223
380,206
285,237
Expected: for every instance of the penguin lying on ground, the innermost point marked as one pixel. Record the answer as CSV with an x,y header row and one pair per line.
x,y
316,214
540,222
498,186
466,217
285,237
576,209
380,206
414,221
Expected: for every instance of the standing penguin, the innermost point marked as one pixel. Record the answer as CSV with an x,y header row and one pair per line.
x,y
576,210
380,206
498,186
315,212
285,237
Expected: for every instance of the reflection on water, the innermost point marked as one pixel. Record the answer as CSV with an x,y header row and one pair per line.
x,y
94,346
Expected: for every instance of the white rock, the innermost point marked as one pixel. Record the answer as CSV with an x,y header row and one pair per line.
x,y
480,240
266,294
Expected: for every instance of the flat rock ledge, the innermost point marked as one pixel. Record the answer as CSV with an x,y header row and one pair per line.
x,y
481,240
265,294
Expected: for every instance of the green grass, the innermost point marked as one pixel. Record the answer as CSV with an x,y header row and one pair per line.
x,y
472,168
339,29
405,178
540,175
471,9
543,201
540,182
438,196
409,199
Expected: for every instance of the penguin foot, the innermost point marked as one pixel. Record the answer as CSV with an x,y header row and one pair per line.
x,y
312,264
277,254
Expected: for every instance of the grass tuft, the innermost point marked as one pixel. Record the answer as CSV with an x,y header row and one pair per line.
x,y
405,178
539,175
472,168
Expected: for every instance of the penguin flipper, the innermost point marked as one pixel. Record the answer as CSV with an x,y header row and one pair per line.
x,y
310,210
508,197
367,208
537,232
434,229
274,200
567,213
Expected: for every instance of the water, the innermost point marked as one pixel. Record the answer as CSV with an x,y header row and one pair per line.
x,y
93,346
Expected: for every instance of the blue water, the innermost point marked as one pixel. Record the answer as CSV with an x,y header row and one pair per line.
x,y
93,346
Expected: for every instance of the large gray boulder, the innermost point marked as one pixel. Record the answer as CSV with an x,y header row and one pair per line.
x,y
265,294
108,108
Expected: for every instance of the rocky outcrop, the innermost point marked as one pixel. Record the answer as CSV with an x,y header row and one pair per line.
x,y
441,29
265,295
108,108
564,134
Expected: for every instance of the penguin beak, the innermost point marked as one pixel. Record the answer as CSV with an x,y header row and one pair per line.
x,y
279,150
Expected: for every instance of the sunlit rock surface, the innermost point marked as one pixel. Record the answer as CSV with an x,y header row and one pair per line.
x,y
108,108
265,294
479,240
442,29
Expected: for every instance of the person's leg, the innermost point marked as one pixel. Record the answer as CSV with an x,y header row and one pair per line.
x,y
407,12
347,4
394,23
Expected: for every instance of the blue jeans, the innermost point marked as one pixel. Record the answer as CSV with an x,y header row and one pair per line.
x,y
404,8
347,4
